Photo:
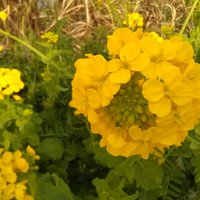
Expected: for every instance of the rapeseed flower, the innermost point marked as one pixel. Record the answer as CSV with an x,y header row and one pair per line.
x,y
145,98
3,15
50,37
133,20
10,83
11,165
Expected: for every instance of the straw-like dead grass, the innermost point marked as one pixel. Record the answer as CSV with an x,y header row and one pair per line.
x,y
80,18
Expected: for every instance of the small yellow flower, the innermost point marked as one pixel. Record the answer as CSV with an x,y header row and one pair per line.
x,y
10,82
133,19
30,151
167,29
1,48
156,36
50,37
3,15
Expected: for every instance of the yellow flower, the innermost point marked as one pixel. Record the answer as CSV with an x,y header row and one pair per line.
x,y
20,190
12,163
121,37
1,48
167,29
10,82
156,36
91,86
30,151
3,15
155,99
166,88
50,37
133,19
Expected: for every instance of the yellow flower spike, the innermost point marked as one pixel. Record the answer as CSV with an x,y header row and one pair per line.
x,y
133,19
50,37
10,82
3,15
167,29
156,97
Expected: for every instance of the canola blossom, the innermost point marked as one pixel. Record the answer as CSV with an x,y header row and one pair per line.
x,y
145,98
50,37
12,166
133,19
3,16
10,83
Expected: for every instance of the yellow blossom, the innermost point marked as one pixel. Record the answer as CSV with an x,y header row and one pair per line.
x,y
10,82
144,99
3,15
12,163
133,19
50,37
30,151
1,48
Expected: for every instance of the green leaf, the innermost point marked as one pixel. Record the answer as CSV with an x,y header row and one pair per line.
x,y
51,187
196,164
52,148
148,174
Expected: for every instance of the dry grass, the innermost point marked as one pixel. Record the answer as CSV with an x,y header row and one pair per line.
x,y
80,18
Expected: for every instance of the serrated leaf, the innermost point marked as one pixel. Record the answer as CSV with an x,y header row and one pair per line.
x,y
148,174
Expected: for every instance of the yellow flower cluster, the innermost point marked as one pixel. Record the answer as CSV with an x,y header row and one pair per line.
x,y
133,19
50,37
3,15
11,165
10,82
145,98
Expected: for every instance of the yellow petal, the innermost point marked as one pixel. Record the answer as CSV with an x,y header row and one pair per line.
x,y
140,63
149,46
150,70
109,89
153,90
168,72
168,49
129,52
161,108
94,100
120,76
181,94
116,141
113,45
113,65
92,116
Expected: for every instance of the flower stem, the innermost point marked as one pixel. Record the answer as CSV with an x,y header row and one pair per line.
x,y
25,44
188,17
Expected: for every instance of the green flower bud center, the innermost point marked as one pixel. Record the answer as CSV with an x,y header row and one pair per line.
x,y
129,107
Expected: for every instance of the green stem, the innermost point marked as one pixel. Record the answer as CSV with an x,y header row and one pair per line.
x,y
25,44
188,17
44,58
